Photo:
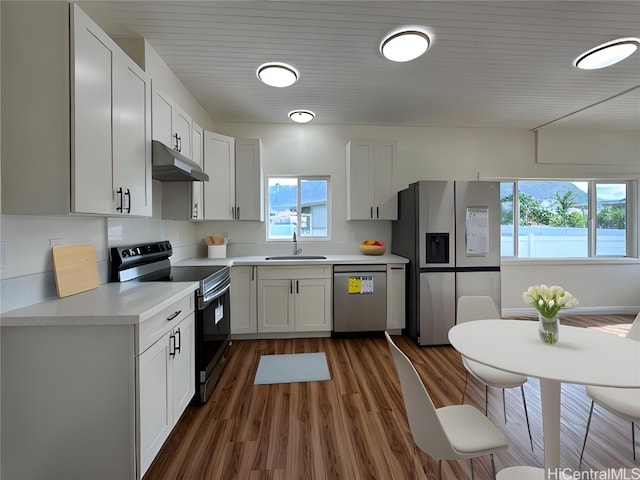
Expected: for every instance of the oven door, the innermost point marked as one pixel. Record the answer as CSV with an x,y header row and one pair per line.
x,y
213,329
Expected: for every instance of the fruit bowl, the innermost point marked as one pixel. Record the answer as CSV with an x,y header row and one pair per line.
x,y
372,248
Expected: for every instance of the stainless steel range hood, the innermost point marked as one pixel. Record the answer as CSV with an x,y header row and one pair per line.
x,y
171,166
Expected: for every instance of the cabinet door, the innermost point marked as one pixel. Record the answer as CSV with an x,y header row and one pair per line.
x,y
91,168
182,127
162,113
275,306
183,367
197,190
244,299
249,186
396,302
155,416
131,137
312,305
219,191
384,181
371,192
360,180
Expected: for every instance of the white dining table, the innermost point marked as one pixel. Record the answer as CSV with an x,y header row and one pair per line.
x,y
581,356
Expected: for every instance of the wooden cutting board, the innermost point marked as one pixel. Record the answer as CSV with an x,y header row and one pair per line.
x,y
75,268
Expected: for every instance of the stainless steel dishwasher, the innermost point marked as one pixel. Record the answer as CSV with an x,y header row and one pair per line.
x,y
359,299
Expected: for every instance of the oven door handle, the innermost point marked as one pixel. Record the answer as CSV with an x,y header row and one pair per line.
x,y
204,302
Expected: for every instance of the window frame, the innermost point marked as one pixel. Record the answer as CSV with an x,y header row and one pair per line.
x,y
299,179
631,227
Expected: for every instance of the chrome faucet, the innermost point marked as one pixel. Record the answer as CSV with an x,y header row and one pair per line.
x,y
296,250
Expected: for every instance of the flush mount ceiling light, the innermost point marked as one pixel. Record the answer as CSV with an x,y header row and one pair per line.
x,y
277,74
301,116
607,54
405,44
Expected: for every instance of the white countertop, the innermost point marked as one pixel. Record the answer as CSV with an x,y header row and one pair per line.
x,y
110,304
353,259
130,303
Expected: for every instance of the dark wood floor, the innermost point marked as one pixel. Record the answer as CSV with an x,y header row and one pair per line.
x,y
354,426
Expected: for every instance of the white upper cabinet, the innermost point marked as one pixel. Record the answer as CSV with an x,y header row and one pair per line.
x,y
86,89
172,125
235,189
197,189
92,116
183,132
371,167
249,195
131,137
163,109
219,164
111,155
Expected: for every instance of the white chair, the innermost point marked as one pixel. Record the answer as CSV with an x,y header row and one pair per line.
x,y
624,402
446,433
482,308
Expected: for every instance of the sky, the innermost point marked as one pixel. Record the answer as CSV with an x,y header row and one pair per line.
x,y
606,191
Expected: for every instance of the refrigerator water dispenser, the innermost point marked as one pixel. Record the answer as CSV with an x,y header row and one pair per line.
x,y
437,248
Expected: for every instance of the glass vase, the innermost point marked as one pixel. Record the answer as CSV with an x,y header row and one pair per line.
x,y
548,329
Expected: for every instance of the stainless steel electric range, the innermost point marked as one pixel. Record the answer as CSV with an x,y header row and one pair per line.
x,y
150,262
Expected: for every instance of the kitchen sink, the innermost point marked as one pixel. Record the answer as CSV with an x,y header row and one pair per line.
x,y
297,257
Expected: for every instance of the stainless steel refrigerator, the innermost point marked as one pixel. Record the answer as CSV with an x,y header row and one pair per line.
x,y
450,232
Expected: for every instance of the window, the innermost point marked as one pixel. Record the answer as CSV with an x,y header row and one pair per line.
x,y
300,205
550,219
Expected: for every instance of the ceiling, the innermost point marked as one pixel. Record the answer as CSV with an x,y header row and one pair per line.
x,y
491,64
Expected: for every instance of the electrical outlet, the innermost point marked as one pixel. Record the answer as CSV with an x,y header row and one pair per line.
x,y
351,236
55,241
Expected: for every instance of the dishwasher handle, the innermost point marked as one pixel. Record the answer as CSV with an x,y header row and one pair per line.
x,y
359,268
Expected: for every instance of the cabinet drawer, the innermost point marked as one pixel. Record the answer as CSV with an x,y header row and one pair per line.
x,y
294,272
153,329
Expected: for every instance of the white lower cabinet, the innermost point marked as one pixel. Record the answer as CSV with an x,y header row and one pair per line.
x,y
294,299
156,417
396,303
166,384
244,300
94,401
